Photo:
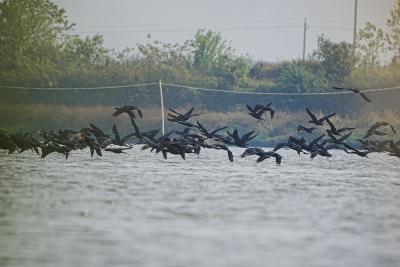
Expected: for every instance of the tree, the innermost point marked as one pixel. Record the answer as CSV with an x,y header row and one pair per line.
x,y
300,77
370,44
30,34
393,22
213,55
84,51
29,31
337,59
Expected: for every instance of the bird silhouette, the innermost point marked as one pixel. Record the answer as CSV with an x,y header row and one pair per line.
x,y
178,117
373,129
320,121
130,110
241,141
305,129
354,90
262,155
336,131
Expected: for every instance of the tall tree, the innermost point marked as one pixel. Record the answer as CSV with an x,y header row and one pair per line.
x,y
213,54
371,44
29,31
393,22
337,59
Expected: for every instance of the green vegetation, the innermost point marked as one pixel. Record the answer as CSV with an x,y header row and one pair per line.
x,y
36,50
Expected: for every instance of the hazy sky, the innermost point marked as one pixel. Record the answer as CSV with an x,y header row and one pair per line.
x,y
264,29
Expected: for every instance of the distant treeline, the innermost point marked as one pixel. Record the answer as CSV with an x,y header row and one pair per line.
x,y
37,50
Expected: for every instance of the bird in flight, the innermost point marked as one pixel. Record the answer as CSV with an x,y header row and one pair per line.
x,y
354,90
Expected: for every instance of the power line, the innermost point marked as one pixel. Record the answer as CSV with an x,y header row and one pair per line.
x,y
184,30
281,94
197,88
77,88
188,24
331,27
215,23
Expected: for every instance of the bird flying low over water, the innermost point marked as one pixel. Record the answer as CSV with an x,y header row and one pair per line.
x,y
356,151
336,131
177,117
395,149
117,150
241,141
373,130
117,138
302,128
130,110
259,110
354,90
195,136
262,155
320,121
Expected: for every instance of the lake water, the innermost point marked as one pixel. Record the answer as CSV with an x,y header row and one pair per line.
x,y
138,209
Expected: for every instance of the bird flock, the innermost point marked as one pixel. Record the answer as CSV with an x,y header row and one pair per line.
x,y
194,136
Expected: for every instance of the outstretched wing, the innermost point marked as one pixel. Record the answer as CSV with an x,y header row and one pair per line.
x,y
218,129
365,97
250,109
338,88
312,116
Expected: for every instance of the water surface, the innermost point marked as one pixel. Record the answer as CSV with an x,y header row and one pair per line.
x,y
140,210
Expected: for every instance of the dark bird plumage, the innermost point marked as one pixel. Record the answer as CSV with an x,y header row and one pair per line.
x,y
354,90
320,121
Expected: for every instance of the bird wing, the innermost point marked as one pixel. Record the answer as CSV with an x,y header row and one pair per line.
x,y
201,128
116,134
230,155
341,139
127,137
272,113
97,130
218,129
394,131
301,128
139,112
333,128
248,136
338,88
176,112
365,97
312,116
279,146
250,109
262,158
118,111
189,113
316,140
137,132
327,117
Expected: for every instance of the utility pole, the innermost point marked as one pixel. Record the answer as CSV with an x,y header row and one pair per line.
x,y
355,24
304,38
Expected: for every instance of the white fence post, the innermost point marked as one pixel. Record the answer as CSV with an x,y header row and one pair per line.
x,y
162,108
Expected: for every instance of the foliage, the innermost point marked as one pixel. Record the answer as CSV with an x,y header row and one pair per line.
x,y
213,55
300,77
370,45
337,59
37,50
393,22
29,35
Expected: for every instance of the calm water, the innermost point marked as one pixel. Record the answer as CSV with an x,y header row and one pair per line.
x,y
140,210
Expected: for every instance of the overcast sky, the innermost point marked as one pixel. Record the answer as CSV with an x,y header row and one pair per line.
x,y
264,29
